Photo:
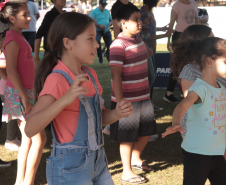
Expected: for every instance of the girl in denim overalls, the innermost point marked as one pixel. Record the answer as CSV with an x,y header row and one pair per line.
x,y
70,95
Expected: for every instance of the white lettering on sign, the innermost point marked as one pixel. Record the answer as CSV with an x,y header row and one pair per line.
x,y
163,70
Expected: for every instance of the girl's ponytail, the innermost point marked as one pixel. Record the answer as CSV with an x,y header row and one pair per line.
x,y
44,68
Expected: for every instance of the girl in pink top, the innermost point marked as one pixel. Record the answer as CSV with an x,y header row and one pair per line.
x,y
18,92
12,143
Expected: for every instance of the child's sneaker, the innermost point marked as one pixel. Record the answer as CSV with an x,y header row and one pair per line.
x,y
13,145
107,130
170,99
4,164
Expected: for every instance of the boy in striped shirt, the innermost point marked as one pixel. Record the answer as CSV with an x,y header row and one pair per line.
x,y
128,61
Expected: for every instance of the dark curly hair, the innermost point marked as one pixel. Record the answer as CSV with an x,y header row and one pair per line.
x,y
151,3
213,47
185,46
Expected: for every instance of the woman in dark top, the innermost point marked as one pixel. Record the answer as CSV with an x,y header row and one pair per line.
x,y
44,28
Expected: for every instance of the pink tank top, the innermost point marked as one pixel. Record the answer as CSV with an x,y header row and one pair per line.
x,y
25,63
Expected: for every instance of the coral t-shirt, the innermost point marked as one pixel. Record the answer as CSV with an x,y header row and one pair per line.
x,y
56,85
25,63
186,14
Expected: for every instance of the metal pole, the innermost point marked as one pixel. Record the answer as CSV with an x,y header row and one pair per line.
x,y
42,4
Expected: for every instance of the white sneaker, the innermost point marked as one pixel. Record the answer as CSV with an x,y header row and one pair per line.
x,y
107,130
18,142
153,137
13,145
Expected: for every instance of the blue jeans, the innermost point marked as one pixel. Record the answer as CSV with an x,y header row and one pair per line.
x,y
107,39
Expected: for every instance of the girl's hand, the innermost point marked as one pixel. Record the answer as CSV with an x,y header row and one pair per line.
x,y
150,52
36,60
26,104
165,28
173,129
169,47
124,108
76,89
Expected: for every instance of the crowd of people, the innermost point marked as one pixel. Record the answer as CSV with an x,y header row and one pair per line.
x,y
66,94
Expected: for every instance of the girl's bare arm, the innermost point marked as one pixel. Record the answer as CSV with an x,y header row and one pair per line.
x,y
47,107
179,112
173,18
185,84
44,111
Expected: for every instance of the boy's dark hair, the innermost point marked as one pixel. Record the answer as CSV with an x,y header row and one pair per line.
x,y
124,12
151,3
11,8
185,46
67,25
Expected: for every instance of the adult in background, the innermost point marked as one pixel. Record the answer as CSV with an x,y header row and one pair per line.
x,y
162,3
168,3
148,34
79,6
103,20
185,13
30,33
44,28
88,8
84,7
114,8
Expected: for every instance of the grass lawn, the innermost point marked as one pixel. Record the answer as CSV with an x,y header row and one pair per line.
x,y
164,155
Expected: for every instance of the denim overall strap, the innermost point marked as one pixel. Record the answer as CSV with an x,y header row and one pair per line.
x,y
55,145
68,78
92,137
100,98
